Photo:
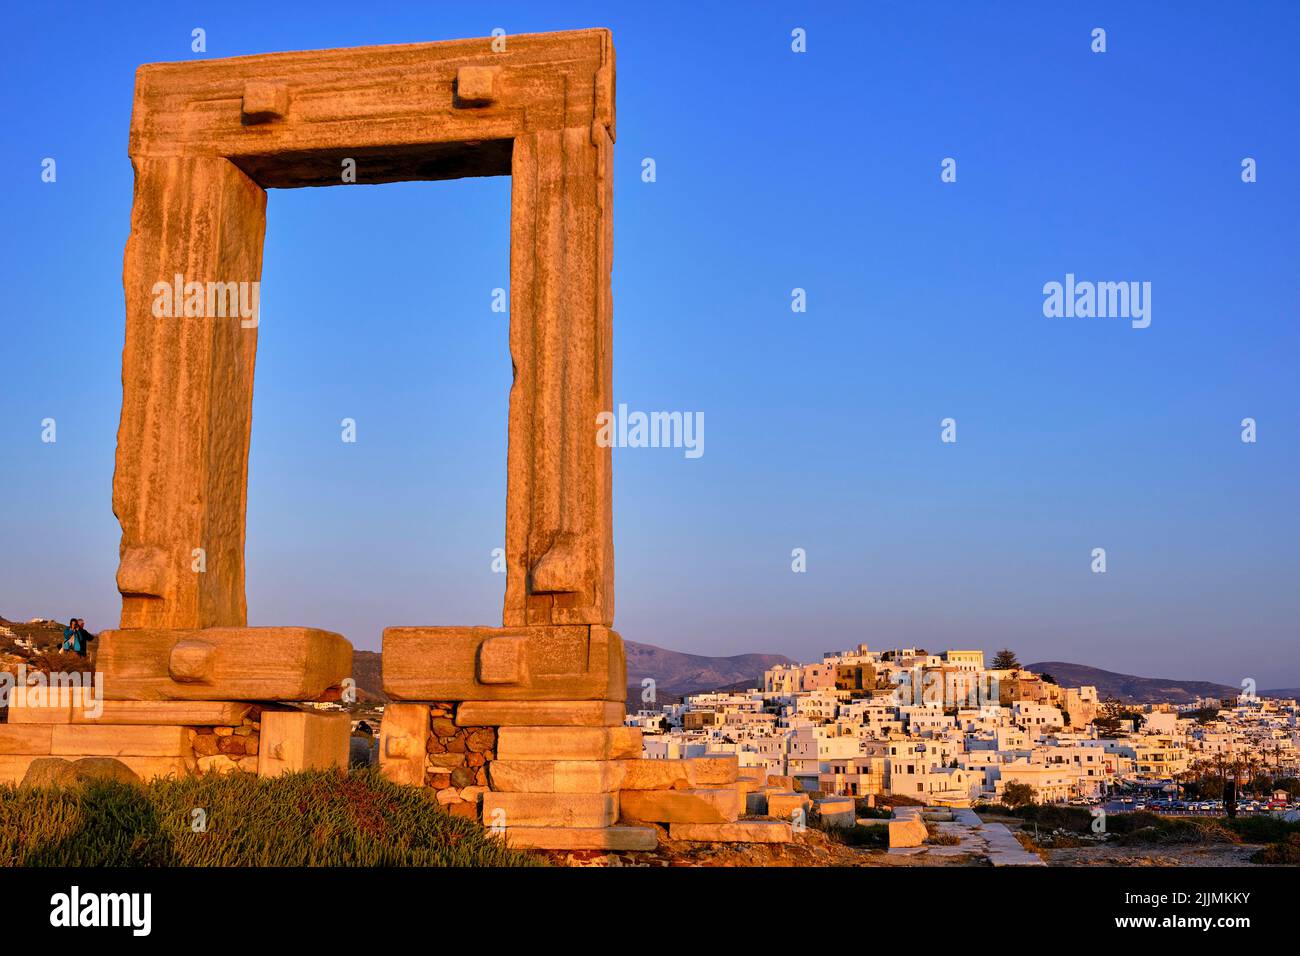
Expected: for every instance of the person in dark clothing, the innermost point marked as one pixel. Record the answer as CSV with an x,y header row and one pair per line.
x,y
76,638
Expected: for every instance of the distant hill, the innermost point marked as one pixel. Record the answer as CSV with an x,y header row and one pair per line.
x,y
1130,689
1284,692
675,674
367,671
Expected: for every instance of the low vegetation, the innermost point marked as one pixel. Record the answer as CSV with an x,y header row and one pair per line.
x,y
317,818
1062,826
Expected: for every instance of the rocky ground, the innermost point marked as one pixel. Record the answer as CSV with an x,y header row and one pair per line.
x,y
1212,854
810,848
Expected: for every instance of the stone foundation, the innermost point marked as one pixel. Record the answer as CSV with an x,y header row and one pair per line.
x,y
573,781
169,738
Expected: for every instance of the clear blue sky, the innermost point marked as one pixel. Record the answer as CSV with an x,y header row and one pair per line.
x,y
775,170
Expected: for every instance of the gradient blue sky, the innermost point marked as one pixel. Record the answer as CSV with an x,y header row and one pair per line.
x,y
775,170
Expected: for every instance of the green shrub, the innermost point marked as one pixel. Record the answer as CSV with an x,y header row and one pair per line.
x,y
1262,829
317,818
1284,853
867,837
1053,817
1165,830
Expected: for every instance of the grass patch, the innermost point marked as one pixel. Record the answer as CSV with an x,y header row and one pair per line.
x,y
316,818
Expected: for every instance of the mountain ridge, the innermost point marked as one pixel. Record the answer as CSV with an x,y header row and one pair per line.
x,y
1130,688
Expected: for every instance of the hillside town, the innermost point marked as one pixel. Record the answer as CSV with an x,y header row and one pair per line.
x,y
947,729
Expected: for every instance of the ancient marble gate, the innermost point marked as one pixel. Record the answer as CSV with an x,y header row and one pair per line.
x,y
208,138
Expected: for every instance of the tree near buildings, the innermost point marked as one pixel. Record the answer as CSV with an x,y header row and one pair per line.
x,y
1018,795
1005,660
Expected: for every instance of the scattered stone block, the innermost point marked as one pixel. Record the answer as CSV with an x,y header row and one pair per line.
x,y
783,804
302,740
906,833
838,812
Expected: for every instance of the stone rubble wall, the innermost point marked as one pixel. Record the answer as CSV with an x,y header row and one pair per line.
x,y
226,749
456,760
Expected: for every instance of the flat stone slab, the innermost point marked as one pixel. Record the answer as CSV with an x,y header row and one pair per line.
x,y
582,838
540,713
1004,849
568,743
513,810
741,831
87,740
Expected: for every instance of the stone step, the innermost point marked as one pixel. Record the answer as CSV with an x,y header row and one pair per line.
x,y
114,741
568,743
704,805
540,713
556,776
511,810
741,831
26,739
582,838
